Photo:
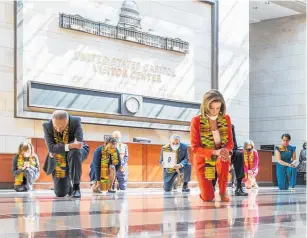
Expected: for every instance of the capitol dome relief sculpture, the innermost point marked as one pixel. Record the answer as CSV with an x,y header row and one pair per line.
x,y
129,16
128,29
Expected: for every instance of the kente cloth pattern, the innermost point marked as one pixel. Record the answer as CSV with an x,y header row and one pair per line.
x,y
107,154
61,163
20,164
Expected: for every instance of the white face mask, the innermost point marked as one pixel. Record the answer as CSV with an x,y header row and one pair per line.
x,y
175,147
26,155
213,118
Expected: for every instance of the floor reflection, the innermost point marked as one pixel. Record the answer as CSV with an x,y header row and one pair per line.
x,y
209,222
30,210
115,224
178,221
286,216
153,213
250,214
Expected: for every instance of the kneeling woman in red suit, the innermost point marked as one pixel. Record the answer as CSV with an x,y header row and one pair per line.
x,y
212,144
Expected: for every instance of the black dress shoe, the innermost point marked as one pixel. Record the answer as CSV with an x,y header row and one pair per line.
x,y
76,194
111,191
21,189
70,192
185,188
240,192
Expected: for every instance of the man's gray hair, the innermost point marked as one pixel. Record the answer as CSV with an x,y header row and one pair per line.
x,y
174,136
60,115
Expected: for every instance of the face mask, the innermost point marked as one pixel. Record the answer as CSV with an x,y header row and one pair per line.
x,y
213,118
118,140
249,149
285,144
26,155
175,147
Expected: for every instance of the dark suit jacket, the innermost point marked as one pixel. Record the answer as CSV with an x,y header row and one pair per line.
x,y
237,157
74,132
235,145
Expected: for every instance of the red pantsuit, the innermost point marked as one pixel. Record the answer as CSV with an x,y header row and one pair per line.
x,y
201,154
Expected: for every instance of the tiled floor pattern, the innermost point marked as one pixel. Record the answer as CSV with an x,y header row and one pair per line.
x,y
266,213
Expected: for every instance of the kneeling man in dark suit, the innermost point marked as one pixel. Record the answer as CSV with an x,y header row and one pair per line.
x,y
67,150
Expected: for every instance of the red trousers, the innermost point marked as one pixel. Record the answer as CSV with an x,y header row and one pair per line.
x,y
205,185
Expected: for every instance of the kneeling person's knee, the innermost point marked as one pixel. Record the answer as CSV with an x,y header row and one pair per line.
x,y
167,187
74,153
20,188
60,193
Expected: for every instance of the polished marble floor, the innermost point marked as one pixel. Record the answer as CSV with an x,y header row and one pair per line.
x,y
151,213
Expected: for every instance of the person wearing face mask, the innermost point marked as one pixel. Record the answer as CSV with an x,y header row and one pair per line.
x,y
106,162
25,168
183,165
251,164
67,151
212,145
286,163
122,173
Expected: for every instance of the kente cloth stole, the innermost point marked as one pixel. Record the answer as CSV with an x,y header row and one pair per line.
x,y
283,148
167,148
60,159
248,160
20,164
207,141
106,154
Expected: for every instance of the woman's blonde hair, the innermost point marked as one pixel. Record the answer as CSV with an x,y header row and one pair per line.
x,y
210,97
247,143
25,146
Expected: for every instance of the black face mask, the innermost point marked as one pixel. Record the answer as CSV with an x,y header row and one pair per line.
x,y
249,150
